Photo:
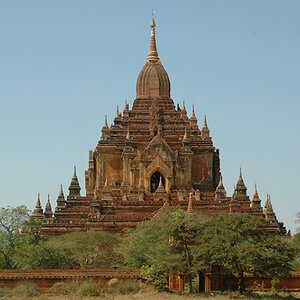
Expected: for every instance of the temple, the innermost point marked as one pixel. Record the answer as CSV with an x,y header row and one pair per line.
x,y
153,154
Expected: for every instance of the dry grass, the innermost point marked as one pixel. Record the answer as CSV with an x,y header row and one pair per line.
x,y
159,296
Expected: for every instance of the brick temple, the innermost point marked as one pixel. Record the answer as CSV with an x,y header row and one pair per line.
x,y
153,154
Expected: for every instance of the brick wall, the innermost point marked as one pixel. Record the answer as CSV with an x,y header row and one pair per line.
x,y
45,279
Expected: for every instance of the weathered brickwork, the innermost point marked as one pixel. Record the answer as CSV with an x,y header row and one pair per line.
x,y
45,279
209,281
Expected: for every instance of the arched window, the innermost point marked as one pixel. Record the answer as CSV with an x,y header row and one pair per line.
x,y
154,181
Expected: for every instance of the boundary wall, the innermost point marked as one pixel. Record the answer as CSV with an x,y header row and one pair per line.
x,y
44,279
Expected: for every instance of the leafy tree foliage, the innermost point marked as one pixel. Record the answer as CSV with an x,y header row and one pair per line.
x,y
155,275
13,218
175,239
22,247
44,255
92,249
239,243
165,241
296,242
12,227
73,250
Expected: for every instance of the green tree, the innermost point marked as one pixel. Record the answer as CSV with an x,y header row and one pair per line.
x,y
79,249
296,242
91,249
240,243
12,222
165,241
44,255
12,218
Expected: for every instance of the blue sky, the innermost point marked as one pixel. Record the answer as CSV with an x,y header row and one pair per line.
x,y
65,64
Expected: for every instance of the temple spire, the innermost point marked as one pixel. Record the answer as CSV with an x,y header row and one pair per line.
x,y
240,179
255,194
61,192
152,55
61,201
220,193
74,172
105,129
74,188
269,212
183,111
193,119
205,132
38,202
48,209
117,112
105,122
240,187
256,202
38,211
126,110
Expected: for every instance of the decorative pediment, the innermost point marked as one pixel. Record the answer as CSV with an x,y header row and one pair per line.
x,y
158,146
159,165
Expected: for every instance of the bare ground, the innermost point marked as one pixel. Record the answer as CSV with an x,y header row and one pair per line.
x,y
161,296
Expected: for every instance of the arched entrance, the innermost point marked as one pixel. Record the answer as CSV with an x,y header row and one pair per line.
x,y
154,181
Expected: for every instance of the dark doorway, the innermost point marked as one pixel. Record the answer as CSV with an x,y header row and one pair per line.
x,y
154,182
201,281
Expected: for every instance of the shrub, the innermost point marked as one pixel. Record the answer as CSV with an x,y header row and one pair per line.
x,y
275,285
89,288
2,292
155,275
25,289
64,288
128,287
